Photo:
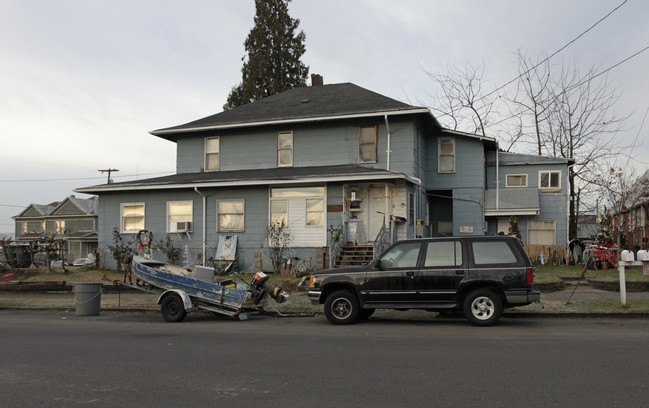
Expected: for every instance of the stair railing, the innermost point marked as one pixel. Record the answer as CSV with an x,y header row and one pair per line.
x,y
381,242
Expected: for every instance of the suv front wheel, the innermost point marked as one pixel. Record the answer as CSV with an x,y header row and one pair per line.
x,y
341,307
483,307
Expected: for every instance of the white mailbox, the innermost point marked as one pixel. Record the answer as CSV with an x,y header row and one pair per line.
x,y
627,256
643,255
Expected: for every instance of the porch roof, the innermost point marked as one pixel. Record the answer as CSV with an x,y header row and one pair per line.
x,y
512,201
254,177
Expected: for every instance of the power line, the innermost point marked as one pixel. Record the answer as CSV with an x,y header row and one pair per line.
x,y
559,50
80,178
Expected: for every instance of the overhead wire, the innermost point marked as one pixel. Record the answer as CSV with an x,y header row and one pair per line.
x,y
559,50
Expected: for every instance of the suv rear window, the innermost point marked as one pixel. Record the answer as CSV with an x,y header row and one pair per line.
x,y
492,252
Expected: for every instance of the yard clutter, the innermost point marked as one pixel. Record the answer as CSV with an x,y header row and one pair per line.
x,y
183,290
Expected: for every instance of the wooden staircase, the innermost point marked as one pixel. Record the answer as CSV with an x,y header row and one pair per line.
x,y
353,255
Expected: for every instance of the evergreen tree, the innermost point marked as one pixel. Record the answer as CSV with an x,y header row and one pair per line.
x,y
273,50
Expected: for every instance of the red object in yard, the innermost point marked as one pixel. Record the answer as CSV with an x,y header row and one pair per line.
x,y
7,275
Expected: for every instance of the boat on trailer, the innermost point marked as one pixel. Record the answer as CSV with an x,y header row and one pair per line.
x,y
183,290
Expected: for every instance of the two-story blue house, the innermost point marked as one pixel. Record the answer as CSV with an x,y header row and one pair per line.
x,y
329,157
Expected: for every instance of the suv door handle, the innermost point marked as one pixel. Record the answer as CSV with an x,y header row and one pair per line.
x,y
459,272
410,273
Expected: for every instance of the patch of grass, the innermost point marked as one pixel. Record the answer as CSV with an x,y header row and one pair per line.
x,y
634,273
587,306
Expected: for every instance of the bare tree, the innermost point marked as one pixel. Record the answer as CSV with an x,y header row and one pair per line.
x,y
620,188
533,97
581,125
461,103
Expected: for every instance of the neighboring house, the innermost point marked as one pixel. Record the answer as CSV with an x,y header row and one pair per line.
x,y
324,159
72,222
633,220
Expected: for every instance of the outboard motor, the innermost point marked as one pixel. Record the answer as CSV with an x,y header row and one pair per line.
x,y
260,285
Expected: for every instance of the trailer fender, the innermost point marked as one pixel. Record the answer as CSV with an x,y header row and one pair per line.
x,y
187,302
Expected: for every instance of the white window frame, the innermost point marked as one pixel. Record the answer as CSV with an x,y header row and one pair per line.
x,y
550,187
523,176
284,218
171,224
122,217
322,212
440,141
218,215
217,153
281,149
374,143
531,229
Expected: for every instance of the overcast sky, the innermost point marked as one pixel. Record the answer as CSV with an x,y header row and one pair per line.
x,y
82,82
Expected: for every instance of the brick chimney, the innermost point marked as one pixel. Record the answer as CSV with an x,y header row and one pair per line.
x,y
316,80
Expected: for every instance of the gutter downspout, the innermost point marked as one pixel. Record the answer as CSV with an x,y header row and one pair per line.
x,y
389,149
387,218
204,222
497,177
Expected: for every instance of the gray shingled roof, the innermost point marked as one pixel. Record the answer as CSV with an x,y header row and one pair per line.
x,y
251,177
309,103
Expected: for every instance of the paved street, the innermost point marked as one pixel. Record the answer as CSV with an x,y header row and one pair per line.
x,y
57,359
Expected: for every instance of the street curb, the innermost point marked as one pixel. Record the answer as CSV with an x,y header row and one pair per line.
x,y
515,315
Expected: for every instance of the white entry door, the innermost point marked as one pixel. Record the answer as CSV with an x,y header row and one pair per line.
x,y
376,205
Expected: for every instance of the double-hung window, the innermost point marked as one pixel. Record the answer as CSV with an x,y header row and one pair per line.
x,y
132,217
212,148
231,216
284,149
550,180
367,136
179,216
446,153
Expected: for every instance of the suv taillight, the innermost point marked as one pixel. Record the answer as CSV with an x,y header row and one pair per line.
x,y
530,277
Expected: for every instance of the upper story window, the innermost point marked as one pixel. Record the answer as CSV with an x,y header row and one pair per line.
x,y
550,180
231,216
367,136
212,147
179,216
516,180
132,217
446,160
284,149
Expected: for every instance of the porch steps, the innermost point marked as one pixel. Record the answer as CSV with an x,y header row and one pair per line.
x,y
352,255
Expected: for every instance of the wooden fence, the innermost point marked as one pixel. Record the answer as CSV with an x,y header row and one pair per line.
x,y
553,254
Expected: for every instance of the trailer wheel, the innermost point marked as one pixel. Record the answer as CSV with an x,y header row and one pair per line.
x,y
173,309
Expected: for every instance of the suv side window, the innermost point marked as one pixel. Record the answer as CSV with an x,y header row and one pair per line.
x,y
492,252
443,253
401,256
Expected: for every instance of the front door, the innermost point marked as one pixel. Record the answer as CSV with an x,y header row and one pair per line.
x,y
376,209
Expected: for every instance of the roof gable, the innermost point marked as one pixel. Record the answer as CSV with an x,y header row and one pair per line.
x,y
310,103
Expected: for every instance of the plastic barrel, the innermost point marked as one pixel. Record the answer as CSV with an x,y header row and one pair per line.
x,y
87,296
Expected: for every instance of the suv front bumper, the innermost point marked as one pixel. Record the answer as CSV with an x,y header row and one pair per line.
x,y
522,297
314,296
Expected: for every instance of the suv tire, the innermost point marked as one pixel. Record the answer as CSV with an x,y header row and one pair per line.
x,y
341,307
483,307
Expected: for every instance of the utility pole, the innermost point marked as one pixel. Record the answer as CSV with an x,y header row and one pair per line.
x,y
108,171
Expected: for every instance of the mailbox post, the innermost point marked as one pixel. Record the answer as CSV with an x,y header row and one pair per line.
x,y
627,259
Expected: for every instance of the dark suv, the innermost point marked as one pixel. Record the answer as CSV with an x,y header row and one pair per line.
x,y
480,275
